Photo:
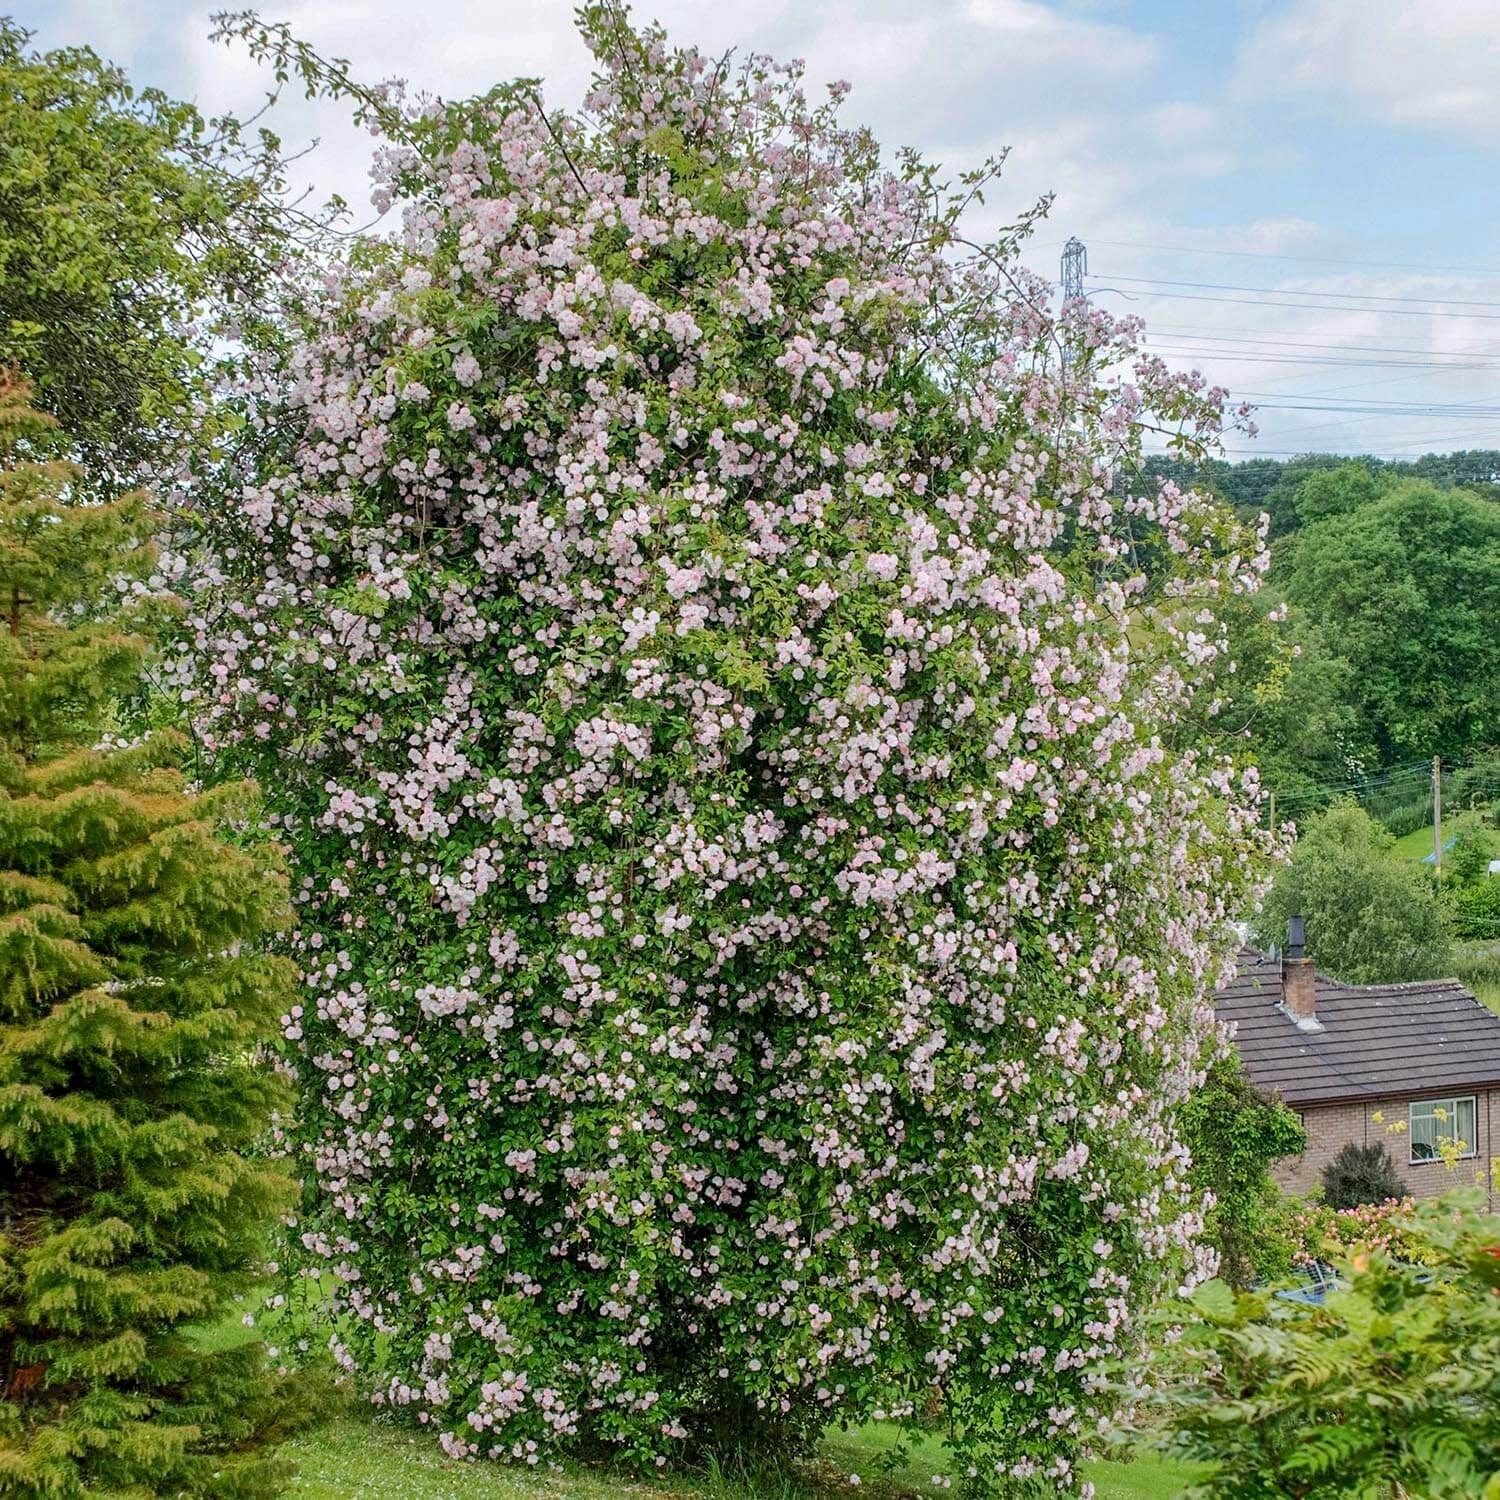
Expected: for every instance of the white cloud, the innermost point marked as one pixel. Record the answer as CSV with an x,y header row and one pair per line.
x,y
1048,35
957,78
1181,123
1428,63
1087,103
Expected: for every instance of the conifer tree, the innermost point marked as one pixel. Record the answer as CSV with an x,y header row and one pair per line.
x,y
132,998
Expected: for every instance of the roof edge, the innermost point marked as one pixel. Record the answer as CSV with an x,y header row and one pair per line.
x,y
1466,1086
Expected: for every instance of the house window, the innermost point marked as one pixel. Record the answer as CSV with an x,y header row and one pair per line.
x,y
1434,1122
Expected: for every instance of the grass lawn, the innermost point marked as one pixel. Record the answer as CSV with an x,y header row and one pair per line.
x,y
367,1457
358,1459
1415,845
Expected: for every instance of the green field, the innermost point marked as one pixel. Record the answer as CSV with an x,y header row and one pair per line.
x,y
358,1459
1414,845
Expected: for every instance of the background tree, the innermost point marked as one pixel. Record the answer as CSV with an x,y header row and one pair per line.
x,y
131,999
1475,469
1289,703
1370,918
1325,494
124,217
705,677
1406,587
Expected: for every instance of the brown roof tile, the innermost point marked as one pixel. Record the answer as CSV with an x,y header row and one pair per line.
x,y
1377,1039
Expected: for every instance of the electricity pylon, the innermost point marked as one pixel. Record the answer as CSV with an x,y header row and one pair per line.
x,y
1075,266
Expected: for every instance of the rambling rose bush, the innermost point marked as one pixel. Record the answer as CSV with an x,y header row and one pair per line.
x,y
756,909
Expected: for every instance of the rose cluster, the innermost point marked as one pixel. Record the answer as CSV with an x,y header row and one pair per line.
x,y
724,696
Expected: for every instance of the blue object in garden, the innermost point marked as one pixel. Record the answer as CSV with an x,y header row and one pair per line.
x,y
1319,1280
1431,859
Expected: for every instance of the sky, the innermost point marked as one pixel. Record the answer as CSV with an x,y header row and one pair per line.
x,y
1301,197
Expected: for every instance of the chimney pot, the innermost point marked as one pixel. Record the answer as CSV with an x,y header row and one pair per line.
x,y
1296,938
1299,976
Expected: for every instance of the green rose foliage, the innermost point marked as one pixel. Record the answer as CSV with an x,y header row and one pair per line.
x,y
1234,1133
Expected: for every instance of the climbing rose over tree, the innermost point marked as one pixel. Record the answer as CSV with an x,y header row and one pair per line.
x,y
755,917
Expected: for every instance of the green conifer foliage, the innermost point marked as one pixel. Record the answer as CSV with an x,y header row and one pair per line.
x,y
132,1000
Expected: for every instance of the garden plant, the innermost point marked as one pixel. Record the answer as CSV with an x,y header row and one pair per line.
x,y
756,901
1390,1388
133,997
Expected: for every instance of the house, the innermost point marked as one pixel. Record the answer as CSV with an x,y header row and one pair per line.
x,y
1416,1066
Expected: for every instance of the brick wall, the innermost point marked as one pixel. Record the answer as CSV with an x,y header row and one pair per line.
x,y
1330,1127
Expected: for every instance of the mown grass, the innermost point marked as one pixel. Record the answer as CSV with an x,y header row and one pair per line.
x,y
355,1458
362,1455
1414,845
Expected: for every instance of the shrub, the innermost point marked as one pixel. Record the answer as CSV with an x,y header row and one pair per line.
x,y
1390,1388
755,930
1361,1174
1478,966
131,999
1318,1232
1234,1133
1476,910
1473,847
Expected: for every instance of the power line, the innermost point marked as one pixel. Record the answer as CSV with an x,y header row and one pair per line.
x,y
1412,450
1177,334
1314,795
1307,357
1266,401
1379,312
1222,334
1326,260
1405,771
1413,774
1349,421
1288,291
1178,350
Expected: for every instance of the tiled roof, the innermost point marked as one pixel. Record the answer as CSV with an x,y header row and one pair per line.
x,y
1376,1039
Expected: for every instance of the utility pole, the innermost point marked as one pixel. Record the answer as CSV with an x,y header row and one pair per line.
x,y
1437,815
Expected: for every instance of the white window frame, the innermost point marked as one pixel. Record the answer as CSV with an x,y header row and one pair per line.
x,y
1442,1129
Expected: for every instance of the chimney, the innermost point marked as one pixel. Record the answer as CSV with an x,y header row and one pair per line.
x,y
1299,977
